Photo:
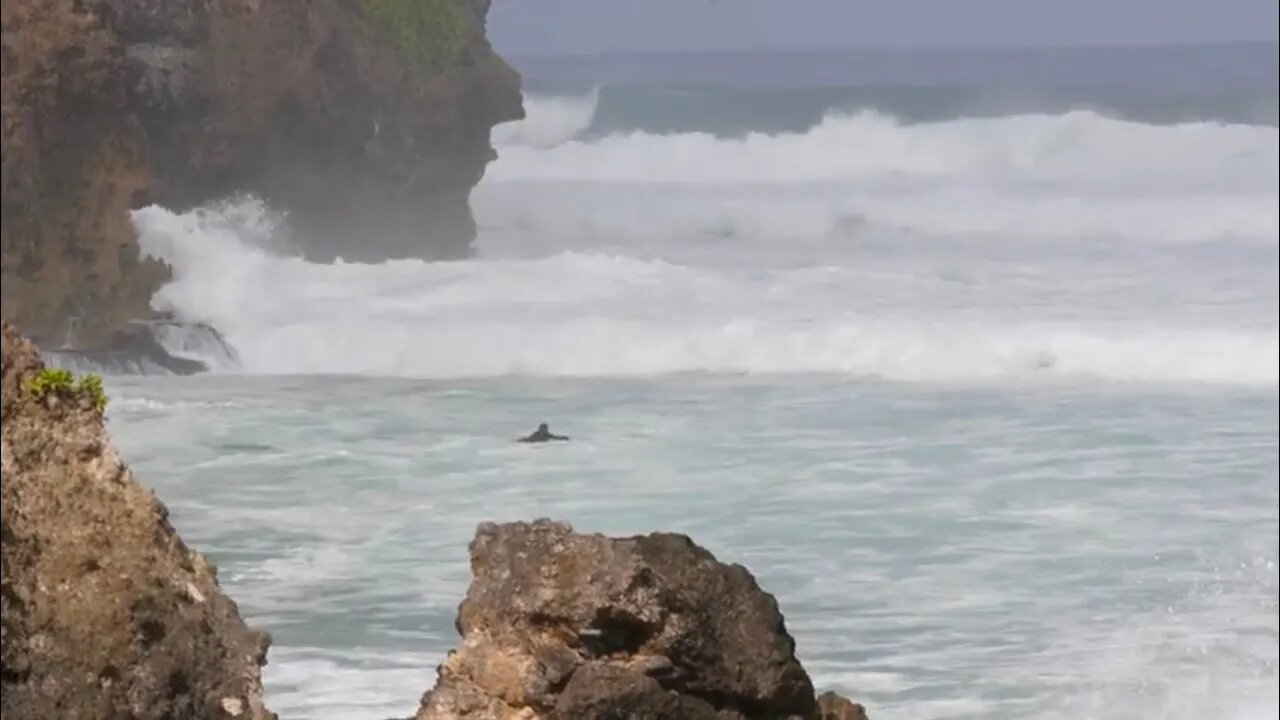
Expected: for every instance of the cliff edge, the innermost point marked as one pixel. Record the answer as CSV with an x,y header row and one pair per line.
x,y
104,612
367,121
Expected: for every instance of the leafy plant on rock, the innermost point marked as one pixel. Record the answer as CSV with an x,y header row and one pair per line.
x,y
429,34
61,382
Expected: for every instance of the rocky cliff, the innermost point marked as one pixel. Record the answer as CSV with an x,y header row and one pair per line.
x,y
104,612
366,120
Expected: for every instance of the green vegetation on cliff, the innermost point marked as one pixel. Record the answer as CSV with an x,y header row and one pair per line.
x,y
429,34
62,383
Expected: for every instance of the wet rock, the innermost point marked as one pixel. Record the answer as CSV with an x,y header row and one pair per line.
x,y
833,706
132,351
605,690
558,624
106,613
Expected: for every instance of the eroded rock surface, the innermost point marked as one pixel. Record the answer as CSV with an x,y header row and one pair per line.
x,y
833,706
370,138
558,624
75,161
106,613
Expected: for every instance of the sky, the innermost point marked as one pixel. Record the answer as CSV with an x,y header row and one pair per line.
x,y
533,27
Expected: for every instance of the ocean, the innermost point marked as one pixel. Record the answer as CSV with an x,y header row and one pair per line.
x,y
971,358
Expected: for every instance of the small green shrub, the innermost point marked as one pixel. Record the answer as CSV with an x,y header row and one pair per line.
x,y
51,380
61,382
91,384
429,34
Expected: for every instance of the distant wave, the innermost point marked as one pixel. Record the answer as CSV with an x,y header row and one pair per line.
x,y
549,121
854,147
1070,246
728,111
707,214
1077,175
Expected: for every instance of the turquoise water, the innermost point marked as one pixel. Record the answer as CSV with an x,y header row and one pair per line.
x,y
1040,551
980,380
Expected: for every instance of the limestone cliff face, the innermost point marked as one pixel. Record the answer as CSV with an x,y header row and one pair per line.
x,y
74,161
367,120
105,613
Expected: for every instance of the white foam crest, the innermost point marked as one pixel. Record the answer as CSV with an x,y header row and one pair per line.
x,y
194,343
869,145
640,212
1212,655
576,314
129,403
311,684
549,121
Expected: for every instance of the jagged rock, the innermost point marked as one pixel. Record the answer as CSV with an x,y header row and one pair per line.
x,y
599,691
106,613
135,350
833,706
143,349
558,624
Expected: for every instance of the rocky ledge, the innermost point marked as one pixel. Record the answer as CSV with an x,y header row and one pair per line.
x,y
107,614
141,349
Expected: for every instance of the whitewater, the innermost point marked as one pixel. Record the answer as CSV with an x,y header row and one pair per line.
x,y
860,246
989,401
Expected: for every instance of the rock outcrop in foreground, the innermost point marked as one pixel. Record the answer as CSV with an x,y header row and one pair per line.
x,y
106,614
558,624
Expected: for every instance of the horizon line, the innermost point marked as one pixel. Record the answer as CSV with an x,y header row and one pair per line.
x,y
792,50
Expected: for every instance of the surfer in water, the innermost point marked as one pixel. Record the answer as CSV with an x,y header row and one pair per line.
x,y
541,435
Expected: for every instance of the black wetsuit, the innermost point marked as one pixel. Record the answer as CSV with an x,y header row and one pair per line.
x,y
541,435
